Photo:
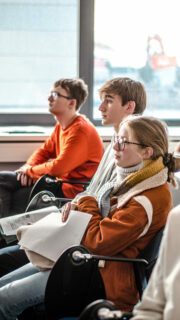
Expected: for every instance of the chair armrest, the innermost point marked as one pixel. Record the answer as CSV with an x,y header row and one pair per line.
x,y
50,183
50,180
78,256
103,310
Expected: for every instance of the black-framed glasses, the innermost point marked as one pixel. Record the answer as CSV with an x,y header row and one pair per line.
x,y
54,95
122,141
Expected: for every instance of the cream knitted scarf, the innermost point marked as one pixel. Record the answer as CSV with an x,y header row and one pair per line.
x,y
151,167
117,188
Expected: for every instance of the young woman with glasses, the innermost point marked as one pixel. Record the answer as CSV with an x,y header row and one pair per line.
x,y
126,215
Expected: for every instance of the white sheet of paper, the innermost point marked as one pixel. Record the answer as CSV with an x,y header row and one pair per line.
x,y
10,224
50,237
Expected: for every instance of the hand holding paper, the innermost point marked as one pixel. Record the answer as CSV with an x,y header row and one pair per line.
x,y
50,236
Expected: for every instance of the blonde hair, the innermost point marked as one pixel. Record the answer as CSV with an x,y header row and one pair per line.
x,y
153,133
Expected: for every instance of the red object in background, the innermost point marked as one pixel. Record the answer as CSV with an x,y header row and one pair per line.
x,y
157,59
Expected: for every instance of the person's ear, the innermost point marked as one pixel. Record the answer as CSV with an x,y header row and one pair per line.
x,y
72,103
130,107
147,153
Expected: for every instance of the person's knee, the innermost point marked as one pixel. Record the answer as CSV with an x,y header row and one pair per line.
x,y
7,305
5,202
8,179
11,258
8,183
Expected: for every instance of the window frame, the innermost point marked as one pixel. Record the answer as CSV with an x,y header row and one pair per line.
x,y
86,59
85,71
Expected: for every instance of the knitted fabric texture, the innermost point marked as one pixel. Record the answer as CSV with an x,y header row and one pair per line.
x,y
151,168
103,197
116,188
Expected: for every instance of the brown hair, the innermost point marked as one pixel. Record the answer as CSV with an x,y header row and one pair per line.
x,y
76,88
153,133
150,132
128,90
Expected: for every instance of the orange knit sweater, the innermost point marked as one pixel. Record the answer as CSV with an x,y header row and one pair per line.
x,y
117,235
70,154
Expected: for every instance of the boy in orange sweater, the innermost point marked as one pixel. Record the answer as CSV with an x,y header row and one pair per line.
x,y
72,152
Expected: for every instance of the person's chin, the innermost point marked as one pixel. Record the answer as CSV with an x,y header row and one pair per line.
x,y
51,110
116,162
105,122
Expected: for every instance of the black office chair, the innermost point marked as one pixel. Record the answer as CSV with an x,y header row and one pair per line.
x,y
150,254
71,281
47,182
67,279
104,309
45,192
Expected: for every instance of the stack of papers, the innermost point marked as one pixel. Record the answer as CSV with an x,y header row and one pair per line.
x,y
9,225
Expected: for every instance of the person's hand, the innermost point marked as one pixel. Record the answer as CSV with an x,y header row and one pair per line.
x,y
25,180
23,168
66,209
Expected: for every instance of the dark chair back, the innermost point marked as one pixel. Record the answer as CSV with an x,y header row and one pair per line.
x,y
150,254
72,277
71,285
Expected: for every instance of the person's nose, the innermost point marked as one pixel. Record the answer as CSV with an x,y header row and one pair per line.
x,y
102,107
50,98
116,146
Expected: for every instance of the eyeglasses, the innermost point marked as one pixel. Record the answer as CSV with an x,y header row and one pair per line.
x,y
54,95
121,143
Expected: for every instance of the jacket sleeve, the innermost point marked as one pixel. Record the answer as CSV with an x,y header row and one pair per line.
x,y
111,235
73,154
